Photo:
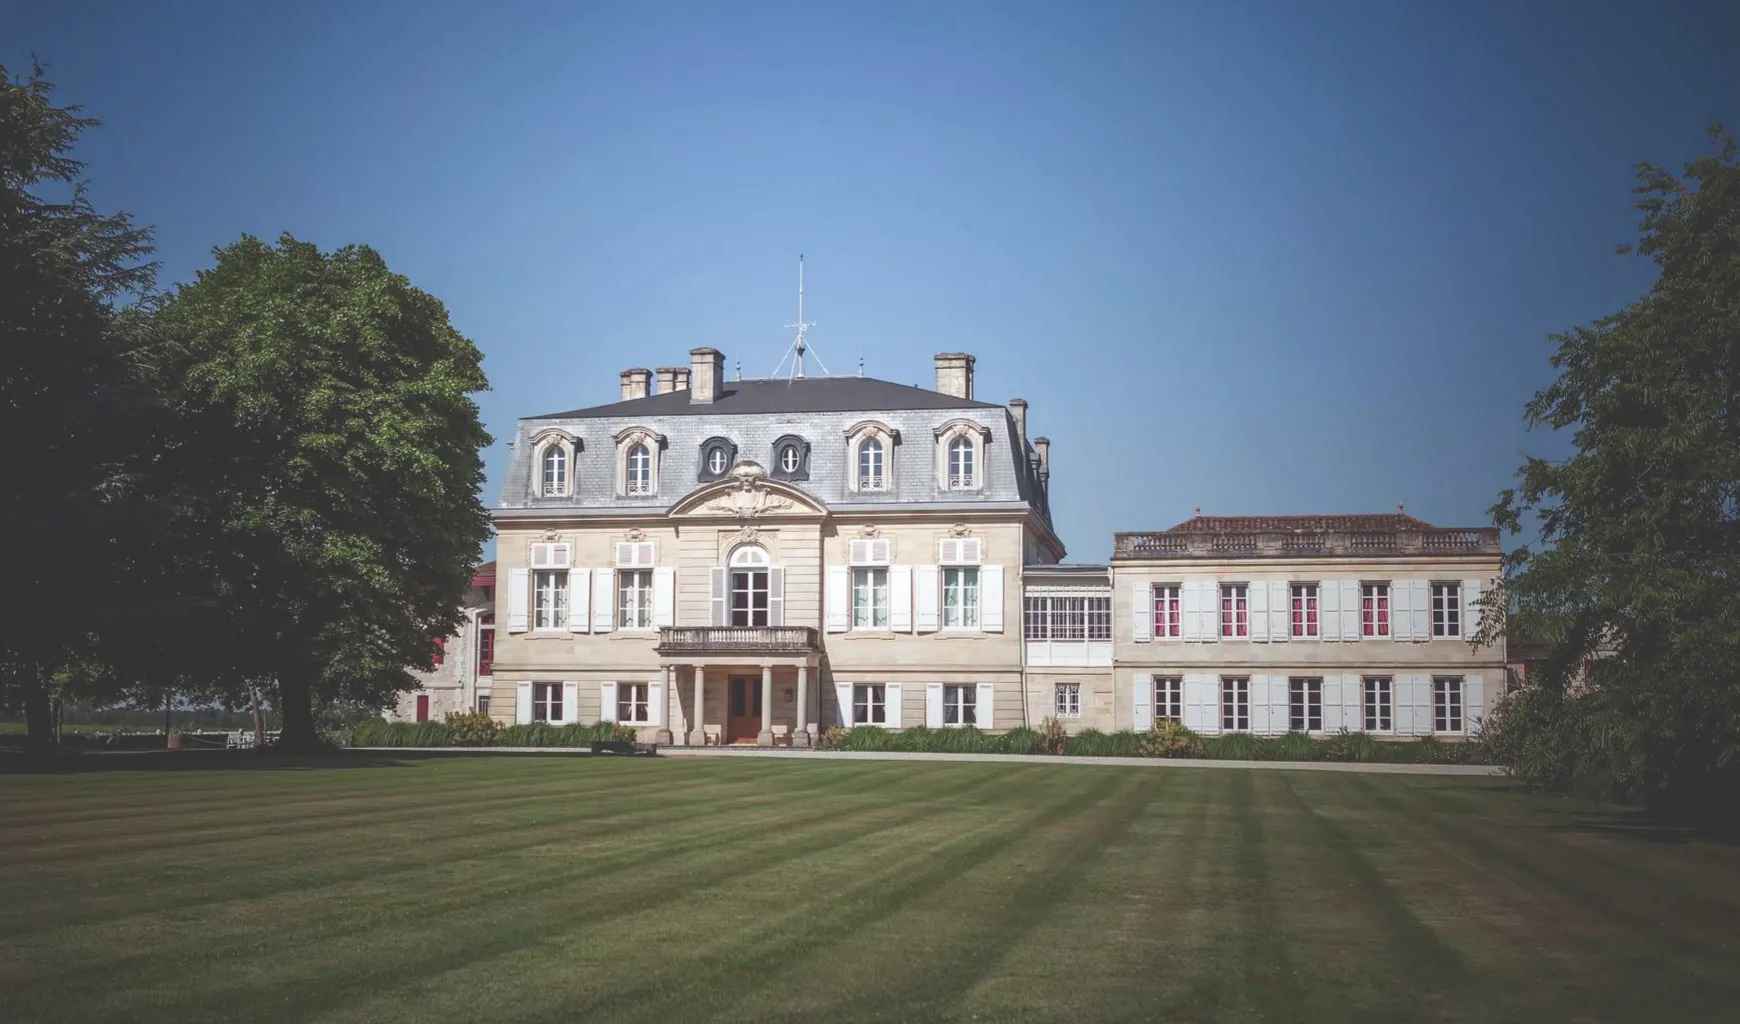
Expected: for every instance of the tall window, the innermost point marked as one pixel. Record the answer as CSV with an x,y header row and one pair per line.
x,y
1235,610
1447,704
639,469
1168,699
1305,705
634,599
1446,609
749,587
1374,613
1305,609
1166,611
1069,618
550,599
960,705
869,597
555,470
632,706
870,704
1235,703
1068,700
1379,704
870,465
960,597
486,645
547,702
960,463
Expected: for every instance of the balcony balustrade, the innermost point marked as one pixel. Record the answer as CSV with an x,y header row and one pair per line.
x,y
1326,544
738,640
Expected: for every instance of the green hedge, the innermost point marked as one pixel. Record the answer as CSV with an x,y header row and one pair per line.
x,y
1237,746
378,732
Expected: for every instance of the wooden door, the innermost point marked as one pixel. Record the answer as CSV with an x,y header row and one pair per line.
x,y
422,707
743,710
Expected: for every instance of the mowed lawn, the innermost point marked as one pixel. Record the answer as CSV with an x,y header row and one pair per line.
x,y
529,888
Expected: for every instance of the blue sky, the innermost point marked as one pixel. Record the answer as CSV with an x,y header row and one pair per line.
x,y
1255,258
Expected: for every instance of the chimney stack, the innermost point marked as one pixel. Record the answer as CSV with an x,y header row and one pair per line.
x,y
954,374
634,383
1044,446
706,374
1018,409
672,378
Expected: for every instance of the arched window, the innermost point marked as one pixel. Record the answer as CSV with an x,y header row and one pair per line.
x,y
960,463
639,469
555,470
789,459
751,587
871,474
716,460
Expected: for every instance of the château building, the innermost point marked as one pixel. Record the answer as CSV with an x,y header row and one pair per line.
x,y
752,561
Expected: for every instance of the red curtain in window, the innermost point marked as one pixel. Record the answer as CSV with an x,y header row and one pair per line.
x,y
440,650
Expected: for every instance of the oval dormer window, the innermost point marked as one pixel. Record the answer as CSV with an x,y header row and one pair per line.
x,y
717,460
789,459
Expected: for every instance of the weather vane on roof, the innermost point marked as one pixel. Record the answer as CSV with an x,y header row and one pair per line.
x,y
799,347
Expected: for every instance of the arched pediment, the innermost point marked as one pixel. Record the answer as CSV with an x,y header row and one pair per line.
x,y
556,434
963,426
747,493
628,435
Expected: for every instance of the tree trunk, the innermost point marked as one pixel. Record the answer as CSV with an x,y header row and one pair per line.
x,y
259,719
38,716
296,713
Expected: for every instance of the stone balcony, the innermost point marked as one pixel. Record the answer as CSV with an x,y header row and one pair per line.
x,y
771,640
1168,546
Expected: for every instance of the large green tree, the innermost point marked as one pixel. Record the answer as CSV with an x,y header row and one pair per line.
x,y
75,393
1634,584
322,406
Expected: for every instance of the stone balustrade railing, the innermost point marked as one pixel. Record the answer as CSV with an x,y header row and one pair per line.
x,y
1352,543
738,640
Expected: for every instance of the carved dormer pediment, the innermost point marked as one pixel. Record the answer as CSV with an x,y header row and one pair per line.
x,y
747,493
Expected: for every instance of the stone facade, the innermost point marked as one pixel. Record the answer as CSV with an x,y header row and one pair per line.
x,y
718,561
461,678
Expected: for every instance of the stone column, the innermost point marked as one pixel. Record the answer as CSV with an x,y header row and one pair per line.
x,y
698,733
766,737
800,736
664,737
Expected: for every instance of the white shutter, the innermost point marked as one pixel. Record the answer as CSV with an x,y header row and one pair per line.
x,y
1352,693
1401,614
1260,705
603,600
1191,622
1280,608
843,702
1209,608
1473,704
1279,689
1421,599
1141,612
924,592
1142,696
607,702
1349,610
579,600
519,600
1329,610
1257,592
948,551
839,598
570,702
900,598
891,704
1331,703
858,552
1402,704
933,700
523,703
717,596
1423,709
655,704
1470,609
971,550
985,714
1202,693
664,596
991,598
776,596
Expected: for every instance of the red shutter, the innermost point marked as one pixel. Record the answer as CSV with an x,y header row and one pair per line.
x,y
422,707
440,651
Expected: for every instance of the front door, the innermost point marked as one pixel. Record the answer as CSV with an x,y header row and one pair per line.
x,y
743,713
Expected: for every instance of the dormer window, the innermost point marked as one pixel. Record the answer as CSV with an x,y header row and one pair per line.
x,y
871,476
555,471
960,455
961,464
637,462
791,458
870,455
639,469
716,460
718,455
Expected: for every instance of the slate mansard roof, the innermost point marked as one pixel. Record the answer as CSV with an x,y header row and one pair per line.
x,y
754,415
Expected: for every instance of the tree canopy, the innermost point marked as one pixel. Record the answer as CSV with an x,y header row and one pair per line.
x,y
322,428
1634,585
